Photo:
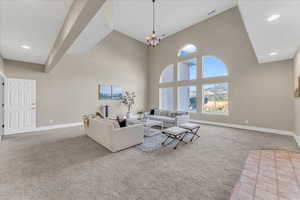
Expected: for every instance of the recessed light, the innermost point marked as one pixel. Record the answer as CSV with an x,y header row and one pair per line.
x,y
24,46
274,53
273,17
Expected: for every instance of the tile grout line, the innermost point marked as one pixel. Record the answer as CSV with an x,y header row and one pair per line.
x,y
276,175
256,179
294,169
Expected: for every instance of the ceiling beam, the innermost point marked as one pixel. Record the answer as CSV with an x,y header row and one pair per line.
x,y
80,14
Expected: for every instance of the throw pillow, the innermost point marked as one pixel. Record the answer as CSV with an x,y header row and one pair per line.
x,y
115,124
164,113
152,111
123,123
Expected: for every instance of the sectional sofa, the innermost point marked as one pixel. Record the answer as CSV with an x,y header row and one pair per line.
x,y
169,118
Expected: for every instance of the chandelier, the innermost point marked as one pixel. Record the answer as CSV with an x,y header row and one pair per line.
x,y
153,40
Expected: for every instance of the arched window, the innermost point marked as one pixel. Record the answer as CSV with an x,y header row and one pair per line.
x,y
187,49
213,67
167,74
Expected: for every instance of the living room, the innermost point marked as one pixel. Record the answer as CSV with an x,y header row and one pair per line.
x,y
213,99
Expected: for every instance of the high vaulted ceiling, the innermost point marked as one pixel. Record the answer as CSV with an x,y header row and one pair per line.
x,y
281,36
34,23
37,23
134,17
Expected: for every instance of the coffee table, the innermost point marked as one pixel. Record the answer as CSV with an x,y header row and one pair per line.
x,y
148,126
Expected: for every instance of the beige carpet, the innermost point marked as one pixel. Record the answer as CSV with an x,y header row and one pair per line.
x,y
66,165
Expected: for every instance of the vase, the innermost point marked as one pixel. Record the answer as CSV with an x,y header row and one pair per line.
x,y
128,115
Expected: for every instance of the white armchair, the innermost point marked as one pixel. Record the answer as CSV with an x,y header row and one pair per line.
x,y
114,139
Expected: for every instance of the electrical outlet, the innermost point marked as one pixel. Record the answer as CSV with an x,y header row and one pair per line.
x,y
246,121
50,121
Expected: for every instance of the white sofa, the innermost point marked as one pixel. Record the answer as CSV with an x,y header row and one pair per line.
x,y
114,138
169,118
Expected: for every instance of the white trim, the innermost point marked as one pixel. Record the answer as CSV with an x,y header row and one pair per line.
x,y
252,128
45,128
297,138
215,113
211,77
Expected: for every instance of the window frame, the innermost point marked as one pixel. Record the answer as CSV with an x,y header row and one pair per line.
x,y
200,81
173,93
178,102
218,76
180,50
215,113
162,73
178,69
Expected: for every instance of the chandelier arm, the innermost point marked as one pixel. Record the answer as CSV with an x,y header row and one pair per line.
x,y
153,15
153,40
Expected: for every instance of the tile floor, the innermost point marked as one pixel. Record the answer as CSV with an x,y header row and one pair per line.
x,y
269,175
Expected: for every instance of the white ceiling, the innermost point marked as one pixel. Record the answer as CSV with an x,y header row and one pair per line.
x,y
98,28
134,17
282,35
35,23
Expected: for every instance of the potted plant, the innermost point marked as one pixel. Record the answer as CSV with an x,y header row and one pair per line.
x,y
128,100
141,114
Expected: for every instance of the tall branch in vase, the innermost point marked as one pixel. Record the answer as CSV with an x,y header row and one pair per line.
x,y
128,100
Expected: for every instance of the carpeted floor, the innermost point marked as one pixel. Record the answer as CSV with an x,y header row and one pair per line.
x,y
66,165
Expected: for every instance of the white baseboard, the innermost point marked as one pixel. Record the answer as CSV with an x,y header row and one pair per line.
x,y
45,128
252,128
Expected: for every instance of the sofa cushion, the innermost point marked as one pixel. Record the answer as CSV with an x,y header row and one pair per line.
x,y
162,118
179,113
164,113
156,112
113,123
173,114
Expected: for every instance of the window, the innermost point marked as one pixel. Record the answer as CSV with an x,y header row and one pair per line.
x,y
166,98
213,67
187,98
187,49
187,70
167,75
215,98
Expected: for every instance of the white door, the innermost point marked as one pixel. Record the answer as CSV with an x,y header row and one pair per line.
x,y
20,108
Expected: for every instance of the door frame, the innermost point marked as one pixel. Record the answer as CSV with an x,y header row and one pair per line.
x,y
6,103
2,133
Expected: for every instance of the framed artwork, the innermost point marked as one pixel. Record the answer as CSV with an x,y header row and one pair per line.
x,y
116,92
110,92
105,92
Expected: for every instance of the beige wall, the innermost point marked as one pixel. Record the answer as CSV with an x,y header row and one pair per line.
x,y
260,93
72,88
297,100
1,64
